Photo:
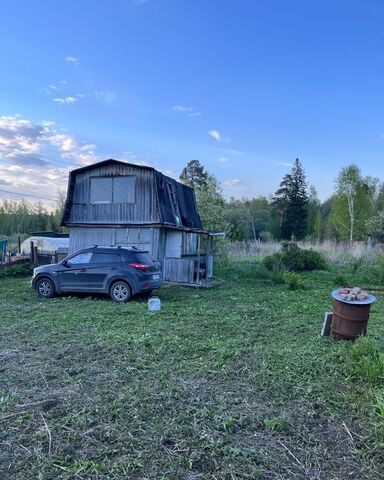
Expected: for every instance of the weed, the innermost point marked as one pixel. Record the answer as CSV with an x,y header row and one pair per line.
x,y
277,424
340,280
367,361
292,280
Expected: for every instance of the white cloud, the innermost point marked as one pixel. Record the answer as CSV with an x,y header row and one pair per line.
x,y
222,159
67,100
23,142
233,182
218,136
53,87
215,134
71,59
36,157
190,111
105,96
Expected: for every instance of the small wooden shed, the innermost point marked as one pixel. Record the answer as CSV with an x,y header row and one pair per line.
x,y
117,203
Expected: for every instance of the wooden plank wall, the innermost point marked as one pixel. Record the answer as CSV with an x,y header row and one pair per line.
x,y
146,238
144,209
179,270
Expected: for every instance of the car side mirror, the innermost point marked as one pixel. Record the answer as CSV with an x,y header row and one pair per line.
x,y
65,263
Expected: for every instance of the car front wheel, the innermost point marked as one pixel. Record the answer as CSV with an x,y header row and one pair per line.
x,y
120,292
45,288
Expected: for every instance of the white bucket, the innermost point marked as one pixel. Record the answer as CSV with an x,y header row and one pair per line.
x,y
154,304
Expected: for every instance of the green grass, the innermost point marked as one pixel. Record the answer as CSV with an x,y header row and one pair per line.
x,y
232,382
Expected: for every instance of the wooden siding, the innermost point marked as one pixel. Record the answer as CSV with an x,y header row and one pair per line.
x,y
179,270
143,210
145,238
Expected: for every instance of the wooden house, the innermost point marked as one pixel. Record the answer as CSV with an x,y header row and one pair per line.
x,y
117,203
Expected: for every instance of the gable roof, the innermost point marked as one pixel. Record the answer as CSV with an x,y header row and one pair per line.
x,y
173,197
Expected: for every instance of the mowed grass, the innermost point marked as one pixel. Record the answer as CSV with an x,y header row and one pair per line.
x,y
232,382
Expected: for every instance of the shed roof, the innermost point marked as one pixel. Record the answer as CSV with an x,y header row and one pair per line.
x,y
183,197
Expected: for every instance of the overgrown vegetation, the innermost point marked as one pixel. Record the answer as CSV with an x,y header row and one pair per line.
x,y
230,383
16,271
367,361
293,258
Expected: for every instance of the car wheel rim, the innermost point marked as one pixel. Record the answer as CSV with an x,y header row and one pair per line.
x,y
120,292
45,288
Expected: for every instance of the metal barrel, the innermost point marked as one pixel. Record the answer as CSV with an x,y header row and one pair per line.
x,y
349,321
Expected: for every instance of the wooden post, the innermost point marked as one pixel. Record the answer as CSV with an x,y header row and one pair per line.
x,y
19,244
198,259
56,256
31,255
35,256
325,331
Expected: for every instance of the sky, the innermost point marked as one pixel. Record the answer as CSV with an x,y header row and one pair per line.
x,y
243,86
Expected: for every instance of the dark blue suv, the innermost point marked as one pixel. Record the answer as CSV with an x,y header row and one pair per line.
x,y
117,271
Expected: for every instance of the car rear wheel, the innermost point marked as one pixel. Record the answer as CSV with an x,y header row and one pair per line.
x,y
120,292
45,288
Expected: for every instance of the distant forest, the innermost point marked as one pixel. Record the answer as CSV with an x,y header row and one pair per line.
x,y
354,211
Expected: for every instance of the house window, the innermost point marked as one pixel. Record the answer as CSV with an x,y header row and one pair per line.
x,y
113,189
124,189
101,190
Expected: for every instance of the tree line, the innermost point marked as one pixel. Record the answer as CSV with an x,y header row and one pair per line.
x,y
22,217
353,212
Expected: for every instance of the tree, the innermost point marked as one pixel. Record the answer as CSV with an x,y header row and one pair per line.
x,y
194,174
291,203
211,204
375,226
353,203
314,215
209,199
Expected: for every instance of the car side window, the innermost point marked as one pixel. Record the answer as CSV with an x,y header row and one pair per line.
x,y
84,257
106,258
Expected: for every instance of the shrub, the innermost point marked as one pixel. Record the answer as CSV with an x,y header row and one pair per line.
x,y
292,280
295,259
22,270
274,262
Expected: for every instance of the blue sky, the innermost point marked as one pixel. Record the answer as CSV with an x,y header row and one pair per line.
x,y
243,86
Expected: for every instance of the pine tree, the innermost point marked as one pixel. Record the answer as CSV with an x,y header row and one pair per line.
x,y
194,174
291,202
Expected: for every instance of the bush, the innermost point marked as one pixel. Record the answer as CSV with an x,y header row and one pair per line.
x,y
274,262
22,270
295,259
292,280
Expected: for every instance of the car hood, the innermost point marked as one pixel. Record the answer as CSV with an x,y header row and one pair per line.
x,y
47,268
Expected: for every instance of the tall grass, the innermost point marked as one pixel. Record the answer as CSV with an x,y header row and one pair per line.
x,y
336,253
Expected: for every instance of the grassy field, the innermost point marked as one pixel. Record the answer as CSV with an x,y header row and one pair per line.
x,y
233,382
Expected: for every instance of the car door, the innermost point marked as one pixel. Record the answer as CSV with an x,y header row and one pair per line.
x,y
103,266
74,274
